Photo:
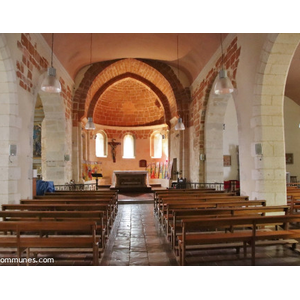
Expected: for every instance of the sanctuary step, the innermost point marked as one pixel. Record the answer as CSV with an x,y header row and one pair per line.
x,y
135,198
132,189
155,185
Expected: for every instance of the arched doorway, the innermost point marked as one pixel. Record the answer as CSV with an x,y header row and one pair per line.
x,y
218,142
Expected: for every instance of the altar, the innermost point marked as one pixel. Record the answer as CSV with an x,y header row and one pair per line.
x,y
131,180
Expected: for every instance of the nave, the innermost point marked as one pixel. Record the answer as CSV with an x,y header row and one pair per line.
x,y
138,239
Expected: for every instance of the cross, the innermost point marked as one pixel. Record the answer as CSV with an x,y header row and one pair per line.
x,y
113,145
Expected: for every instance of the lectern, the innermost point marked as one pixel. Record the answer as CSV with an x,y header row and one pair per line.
x,y
97,175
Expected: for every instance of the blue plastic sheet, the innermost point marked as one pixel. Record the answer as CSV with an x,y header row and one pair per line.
x,y
44,186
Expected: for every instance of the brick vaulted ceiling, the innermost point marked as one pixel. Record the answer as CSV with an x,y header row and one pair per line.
x,y
129,92
128,102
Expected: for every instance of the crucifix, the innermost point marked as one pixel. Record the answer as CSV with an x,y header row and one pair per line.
x,y
113,145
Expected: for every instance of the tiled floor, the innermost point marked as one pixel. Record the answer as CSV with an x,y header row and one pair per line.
x,y
137,239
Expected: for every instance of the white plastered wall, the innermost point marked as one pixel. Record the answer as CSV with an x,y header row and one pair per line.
x,y
213,137
230,141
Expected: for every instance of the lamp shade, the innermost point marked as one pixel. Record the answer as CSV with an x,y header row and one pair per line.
x,y
50,84
179,125
223,85
90,124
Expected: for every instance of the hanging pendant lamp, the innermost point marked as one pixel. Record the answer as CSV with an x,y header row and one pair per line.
x,y
179,125
90,124
223,85
50,84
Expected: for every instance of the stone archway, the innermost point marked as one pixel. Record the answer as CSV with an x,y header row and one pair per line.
x,y
56,141
268,121
156,77
10,168
213,137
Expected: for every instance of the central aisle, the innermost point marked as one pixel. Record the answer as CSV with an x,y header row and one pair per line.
x,y
137,239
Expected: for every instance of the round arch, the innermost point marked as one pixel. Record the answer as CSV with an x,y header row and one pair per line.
x,y
213,136
56,148
153,73
163,99
269,170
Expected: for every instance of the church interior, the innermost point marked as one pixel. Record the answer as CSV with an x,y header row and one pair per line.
x,y
130,115
149,149
122,119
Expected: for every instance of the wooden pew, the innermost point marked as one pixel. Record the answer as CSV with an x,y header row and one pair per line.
x,y
166,212
66,201
82,195
98,193
164,209
204,190
180,213
27,235
94,192
210,234
76,197
184,193
161,201
293,198
165,193
109,216
107,201
59,216
113,198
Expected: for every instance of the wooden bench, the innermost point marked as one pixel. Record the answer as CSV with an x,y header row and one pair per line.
x,y
59,216
164,194
171,193
108,217
77,197
202,203
103,191
82,193
106,201
27,235
180,213
293,199
209,234
205,197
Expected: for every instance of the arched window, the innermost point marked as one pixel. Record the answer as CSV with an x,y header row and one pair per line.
x,y
156,145
101,144
128,146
